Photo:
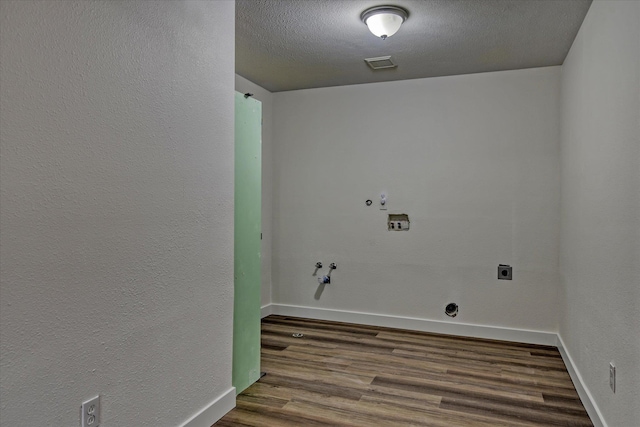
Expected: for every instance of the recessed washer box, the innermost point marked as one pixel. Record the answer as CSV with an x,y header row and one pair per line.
x,y
398,222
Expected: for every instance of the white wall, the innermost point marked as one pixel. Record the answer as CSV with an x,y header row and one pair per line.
x,y
243,86
116,196
473,160
600,250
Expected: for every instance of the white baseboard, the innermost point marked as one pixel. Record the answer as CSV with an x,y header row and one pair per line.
x,y
585,396
424,325
266,310
215,410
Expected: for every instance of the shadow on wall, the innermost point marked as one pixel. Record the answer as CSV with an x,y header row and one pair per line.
x,y
319,291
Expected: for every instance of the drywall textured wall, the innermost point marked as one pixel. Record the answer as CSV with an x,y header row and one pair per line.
x,y
473,160
600,240
245,86
116,200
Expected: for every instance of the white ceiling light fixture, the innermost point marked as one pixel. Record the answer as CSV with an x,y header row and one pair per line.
x,y
384,21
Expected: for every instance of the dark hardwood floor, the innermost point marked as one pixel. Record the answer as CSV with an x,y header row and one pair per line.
x,y
341,374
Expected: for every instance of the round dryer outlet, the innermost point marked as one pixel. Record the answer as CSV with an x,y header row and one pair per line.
x,y
451,309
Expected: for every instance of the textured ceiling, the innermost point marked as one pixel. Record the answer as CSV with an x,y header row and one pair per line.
x,y
296,44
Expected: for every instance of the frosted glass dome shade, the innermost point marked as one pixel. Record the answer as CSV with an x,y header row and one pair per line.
x,y
384,21
384,24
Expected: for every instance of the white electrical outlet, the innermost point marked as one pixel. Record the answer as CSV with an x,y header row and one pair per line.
x,y
612,376
90,412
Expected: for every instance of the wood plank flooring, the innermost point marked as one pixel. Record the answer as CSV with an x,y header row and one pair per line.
x,y
342,374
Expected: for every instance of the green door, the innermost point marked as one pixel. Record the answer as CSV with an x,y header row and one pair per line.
x,y
246,307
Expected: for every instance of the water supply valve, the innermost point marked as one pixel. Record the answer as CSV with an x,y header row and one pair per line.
x,y
324,280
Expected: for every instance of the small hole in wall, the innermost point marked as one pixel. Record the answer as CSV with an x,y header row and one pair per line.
x,y
451,309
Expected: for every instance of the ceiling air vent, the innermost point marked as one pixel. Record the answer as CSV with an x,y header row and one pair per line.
x,y
380,62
